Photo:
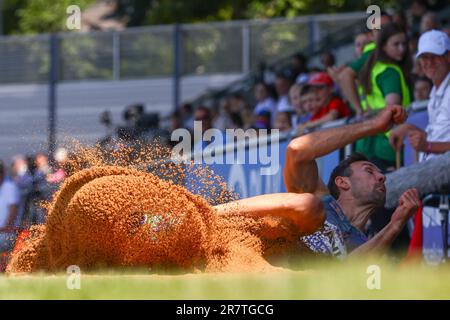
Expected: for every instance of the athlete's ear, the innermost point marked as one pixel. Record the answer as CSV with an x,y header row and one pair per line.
x,y
342,182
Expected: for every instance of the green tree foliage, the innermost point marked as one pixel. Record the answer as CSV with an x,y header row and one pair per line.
x,y
38,16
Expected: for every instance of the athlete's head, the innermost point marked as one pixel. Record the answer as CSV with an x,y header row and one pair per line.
x,y
358,178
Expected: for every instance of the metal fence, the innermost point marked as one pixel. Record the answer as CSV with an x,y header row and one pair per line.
x,y
207,48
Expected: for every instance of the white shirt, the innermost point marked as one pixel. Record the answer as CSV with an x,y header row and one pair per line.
x,y
9,195
438,129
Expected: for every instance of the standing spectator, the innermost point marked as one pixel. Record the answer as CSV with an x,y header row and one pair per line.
x,y
282,85
9,206
347,77
264,101
422,88
59,174
42,165
20,173
385,79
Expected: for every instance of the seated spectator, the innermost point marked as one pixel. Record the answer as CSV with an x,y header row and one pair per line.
x,y
186,115
262,120
283,122
264,101
9,206
434,56
301,115
204,116
282,85
240,112
319,100
422,88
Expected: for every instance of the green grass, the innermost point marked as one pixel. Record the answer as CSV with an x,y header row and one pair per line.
x,y
324,281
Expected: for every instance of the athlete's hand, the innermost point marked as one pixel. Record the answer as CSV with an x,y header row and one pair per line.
x,y
388,117
408,204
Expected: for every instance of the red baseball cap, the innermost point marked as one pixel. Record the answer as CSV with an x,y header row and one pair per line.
x,y
320,79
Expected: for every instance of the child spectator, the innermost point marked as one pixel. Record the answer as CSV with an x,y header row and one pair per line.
x,y
262,120
422,89
283,122
301,115
318,98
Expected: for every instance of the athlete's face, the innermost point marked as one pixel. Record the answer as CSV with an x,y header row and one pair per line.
x,y
367,184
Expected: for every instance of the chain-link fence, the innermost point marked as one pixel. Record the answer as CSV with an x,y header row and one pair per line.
x,y
209,48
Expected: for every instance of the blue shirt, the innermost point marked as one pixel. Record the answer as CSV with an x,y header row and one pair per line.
x,y
337,237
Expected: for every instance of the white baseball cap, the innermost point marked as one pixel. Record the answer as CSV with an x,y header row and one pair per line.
x,y
434,41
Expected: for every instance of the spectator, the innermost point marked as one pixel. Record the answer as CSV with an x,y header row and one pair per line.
x,y
361,40
282,85
321,102
327,60
429,22
385,79
348,76
20,174
9,206
434,56
204,115
42,164
262,120
283,122
418,9
299,68
264,101
59,174
186,116
422,88
399,18
240,111
222,118
301,115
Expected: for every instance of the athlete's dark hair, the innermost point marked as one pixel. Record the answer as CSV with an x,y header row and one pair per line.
x,y
343,170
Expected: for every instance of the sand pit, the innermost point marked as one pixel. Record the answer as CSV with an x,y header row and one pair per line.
x,y
113,216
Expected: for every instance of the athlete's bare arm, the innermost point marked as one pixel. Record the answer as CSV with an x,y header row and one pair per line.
x,y
305,211
300,171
